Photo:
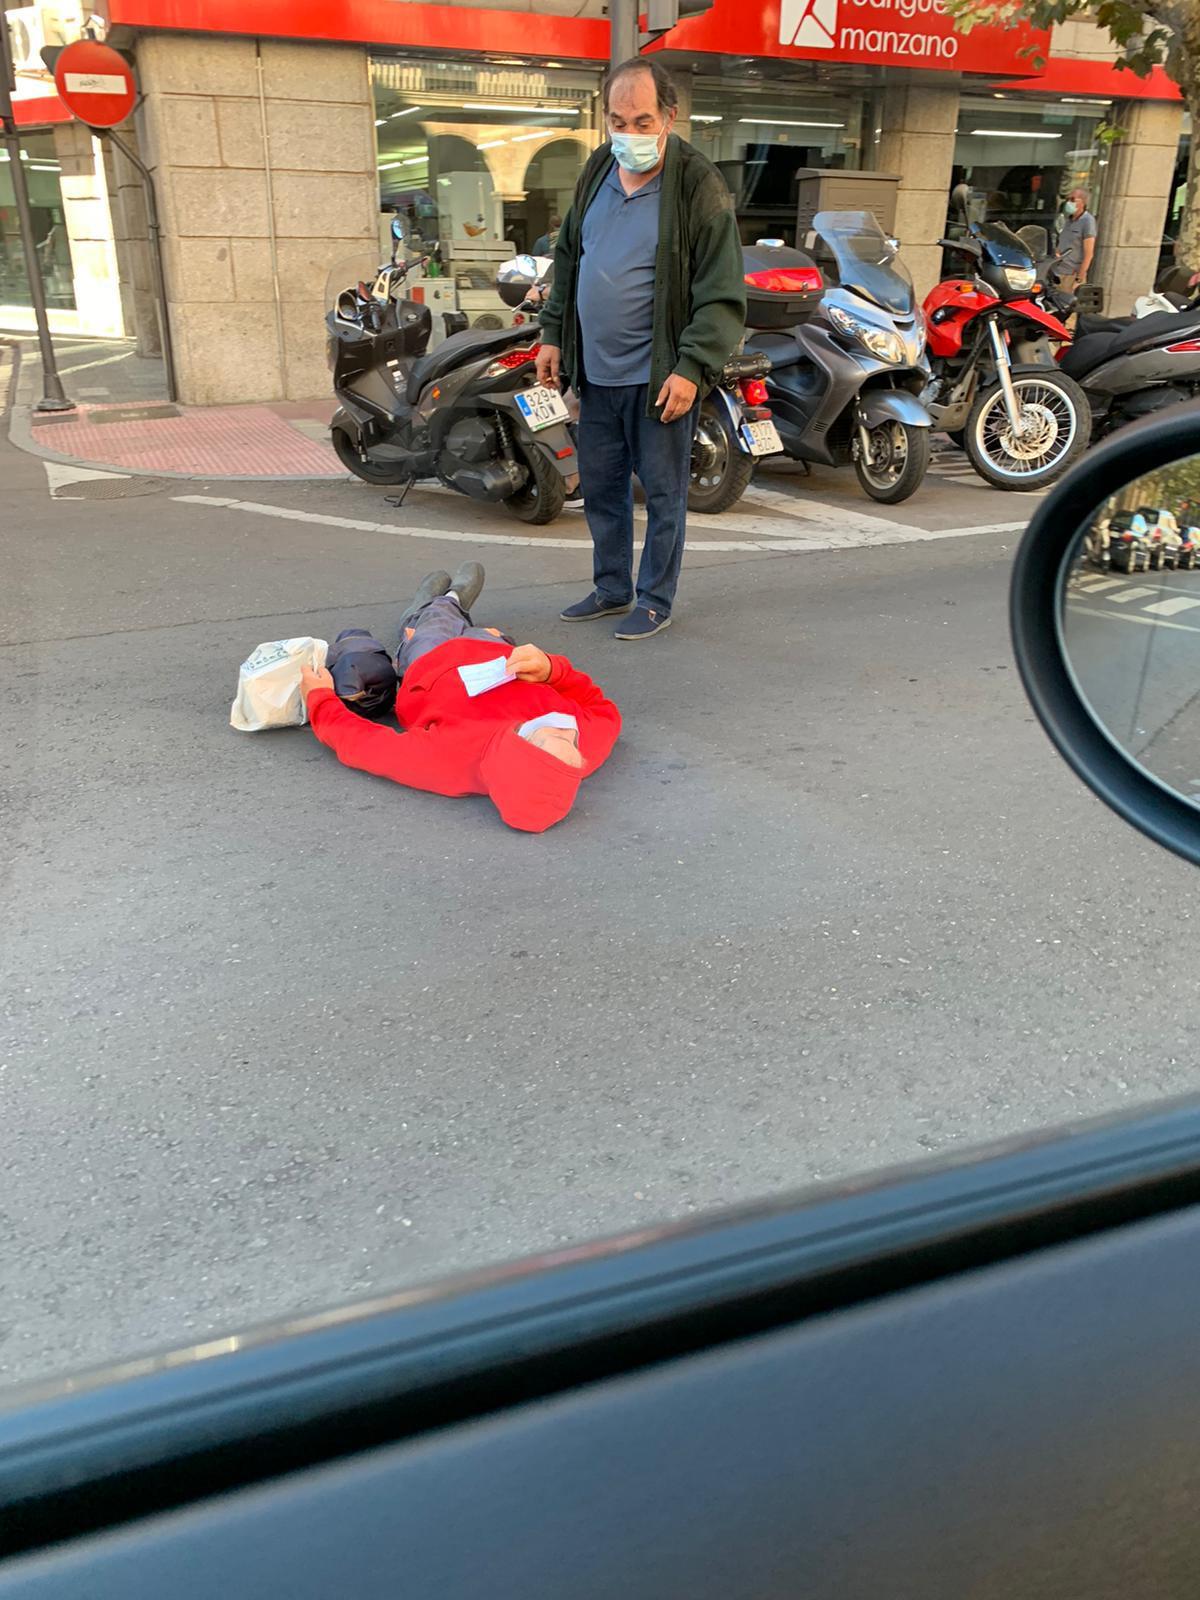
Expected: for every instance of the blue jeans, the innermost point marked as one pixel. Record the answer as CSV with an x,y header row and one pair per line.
x,y
616,439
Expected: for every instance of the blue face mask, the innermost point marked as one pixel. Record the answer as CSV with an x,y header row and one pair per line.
x,y
636,152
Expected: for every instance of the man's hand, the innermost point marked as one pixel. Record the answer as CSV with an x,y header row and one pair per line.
x,y
676,397
314,678
530,664
549,362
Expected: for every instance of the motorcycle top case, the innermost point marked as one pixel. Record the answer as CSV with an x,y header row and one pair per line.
x,y
784,287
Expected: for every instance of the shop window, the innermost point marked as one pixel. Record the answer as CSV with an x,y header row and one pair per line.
x,y
476,161
1020,158
42,176
762,131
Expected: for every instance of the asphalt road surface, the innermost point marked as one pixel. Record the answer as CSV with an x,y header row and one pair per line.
x,y
274,1034
1134,643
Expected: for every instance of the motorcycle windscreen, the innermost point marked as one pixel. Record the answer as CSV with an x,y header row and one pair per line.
x,y
1004,247
864,259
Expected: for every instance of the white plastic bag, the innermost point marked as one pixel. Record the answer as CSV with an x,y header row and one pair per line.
x,y
268,694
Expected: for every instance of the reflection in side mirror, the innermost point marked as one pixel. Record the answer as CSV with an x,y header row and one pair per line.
x,y
1131,622
1106,623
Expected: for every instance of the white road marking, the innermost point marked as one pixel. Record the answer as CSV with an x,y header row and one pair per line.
x,y
61,474
1138,592
86,366
1172,608
820,539
1094,585
1126,616
815,510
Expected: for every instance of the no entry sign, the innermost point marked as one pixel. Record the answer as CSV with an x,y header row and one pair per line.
x,y
95,83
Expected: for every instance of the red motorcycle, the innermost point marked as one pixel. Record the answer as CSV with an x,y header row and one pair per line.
x,y
996,389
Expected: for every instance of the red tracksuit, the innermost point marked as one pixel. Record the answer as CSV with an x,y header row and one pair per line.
x,y
456,745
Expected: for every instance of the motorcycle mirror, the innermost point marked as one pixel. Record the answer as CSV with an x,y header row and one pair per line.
x,y
347,305
516,277
1103,621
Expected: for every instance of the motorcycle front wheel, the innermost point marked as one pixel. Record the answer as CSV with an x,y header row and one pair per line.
x,y
721,469
361,463
899,459
1056,424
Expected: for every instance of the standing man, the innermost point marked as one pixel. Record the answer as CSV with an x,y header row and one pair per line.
x,y
1076,242
647,306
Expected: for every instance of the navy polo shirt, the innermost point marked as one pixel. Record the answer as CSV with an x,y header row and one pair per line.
x,y
615,296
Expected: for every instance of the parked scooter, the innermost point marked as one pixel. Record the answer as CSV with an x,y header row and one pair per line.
x,y
1132,367
1119,543
845,339
996,388
733,431
469,413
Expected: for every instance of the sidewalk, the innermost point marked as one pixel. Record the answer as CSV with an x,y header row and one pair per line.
x,y
135,429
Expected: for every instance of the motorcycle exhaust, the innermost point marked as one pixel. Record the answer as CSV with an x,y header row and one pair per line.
x,y
490,480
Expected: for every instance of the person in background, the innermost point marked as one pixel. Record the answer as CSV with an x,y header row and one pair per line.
x,y
1076,242
543,245
648,304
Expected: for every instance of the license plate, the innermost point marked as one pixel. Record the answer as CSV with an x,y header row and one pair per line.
x,y
761,438
540,407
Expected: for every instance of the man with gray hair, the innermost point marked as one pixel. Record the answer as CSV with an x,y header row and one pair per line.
x,y
647,306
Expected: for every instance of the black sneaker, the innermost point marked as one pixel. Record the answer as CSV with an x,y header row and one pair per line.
x,y
643,624
594,606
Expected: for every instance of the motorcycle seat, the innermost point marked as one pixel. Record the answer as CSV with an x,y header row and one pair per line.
x,y
460,348
779,348
1086,323
1086,354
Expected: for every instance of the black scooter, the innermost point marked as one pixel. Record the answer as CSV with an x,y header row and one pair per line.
x,y
470,413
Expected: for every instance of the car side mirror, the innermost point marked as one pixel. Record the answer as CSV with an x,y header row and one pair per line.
x,y
1105,606
893,243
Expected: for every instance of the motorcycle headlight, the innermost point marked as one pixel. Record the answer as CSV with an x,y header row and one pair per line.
x,y
887,346
1020,278
881,342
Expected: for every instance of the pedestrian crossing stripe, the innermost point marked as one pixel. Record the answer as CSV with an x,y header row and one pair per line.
x,y
1172,607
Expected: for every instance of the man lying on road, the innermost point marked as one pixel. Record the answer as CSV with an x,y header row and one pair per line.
x,y
527,743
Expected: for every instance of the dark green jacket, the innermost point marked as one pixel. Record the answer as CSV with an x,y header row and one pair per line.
x,y
699,280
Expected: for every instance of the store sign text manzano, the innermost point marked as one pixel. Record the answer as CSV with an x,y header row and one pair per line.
x,y
900,33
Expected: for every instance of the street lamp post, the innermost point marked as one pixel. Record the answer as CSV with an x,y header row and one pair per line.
x,y
53,397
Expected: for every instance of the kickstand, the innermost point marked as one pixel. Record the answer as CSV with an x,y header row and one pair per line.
x,y
398,500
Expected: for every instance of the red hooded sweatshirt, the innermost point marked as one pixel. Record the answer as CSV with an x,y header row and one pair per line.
x,y
457,745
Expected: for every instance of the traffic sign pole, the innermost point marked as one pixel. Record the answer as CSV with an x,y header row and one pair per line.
x,y
96,84
53,397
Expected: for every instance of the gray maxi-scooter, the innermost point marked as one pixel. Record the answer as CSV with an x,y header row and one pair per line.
x,y
845,381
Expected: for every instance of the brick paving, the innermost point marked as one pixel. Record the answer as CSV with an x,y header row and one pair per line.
x,y
217,441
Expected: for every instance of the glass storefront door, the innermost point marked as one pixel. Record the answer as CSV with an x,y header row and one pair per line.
x,y
42,176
